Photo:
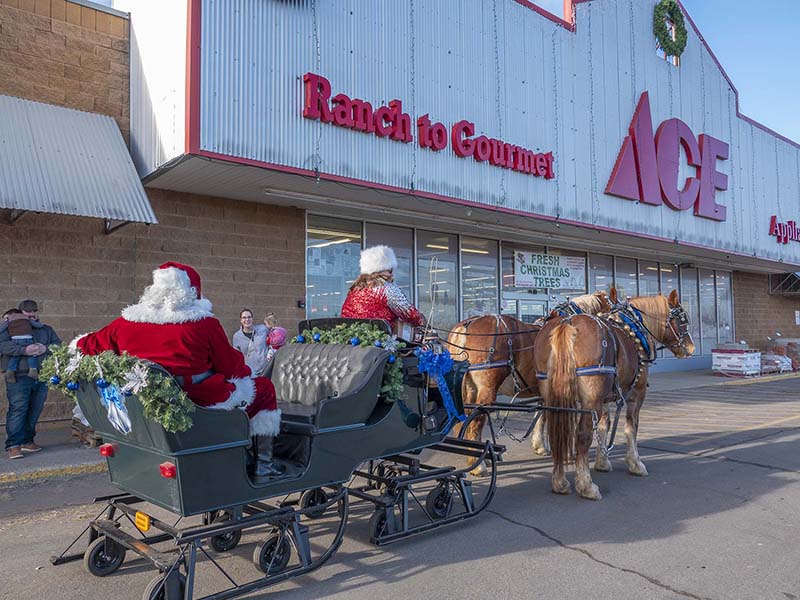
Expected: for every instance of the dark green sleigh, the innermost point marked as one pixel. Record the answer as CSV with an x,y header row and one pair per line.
x,y
333,419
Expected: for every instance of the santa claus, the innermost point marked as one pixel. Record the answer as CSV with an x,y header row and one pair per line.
x,y
374,295
173,325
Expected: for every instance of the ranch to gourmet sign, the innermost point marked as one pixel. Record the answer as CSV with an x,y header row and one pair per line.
x,y
549,271
391,122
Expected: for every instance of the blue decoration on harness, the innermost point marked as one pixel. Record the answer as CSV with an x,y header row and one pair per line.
x,y
114,402
636,328
568,309
437,365
541,376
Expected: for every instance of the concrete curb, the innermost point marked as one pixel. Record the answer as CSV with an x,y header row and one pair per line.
x,y
762,379
44,473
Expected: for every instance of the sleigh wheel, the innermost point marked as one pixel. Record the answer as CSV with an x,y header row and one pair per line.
x,y
227,541
103,556
272,555
157,588
312,498
439,501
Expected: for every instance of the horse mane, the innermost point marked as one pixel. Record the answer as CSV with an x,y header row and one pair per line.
x,y
592,304
654,311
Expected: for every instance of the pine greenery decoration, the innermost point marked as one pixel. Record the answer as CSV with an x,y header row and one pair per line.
x,y
669,10
363,334
161,398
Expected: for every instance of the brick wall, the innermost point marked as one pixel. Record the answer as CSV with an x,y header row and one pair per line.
x,y
758,314
62,53
247,254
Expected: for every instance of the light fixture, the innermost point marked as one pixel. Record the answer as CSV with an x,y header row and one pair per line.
x,y
437,247
331,243
475,251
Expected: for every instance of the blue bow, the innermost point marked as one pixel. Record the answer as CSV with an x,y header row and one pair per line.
x,y
114,403
437,366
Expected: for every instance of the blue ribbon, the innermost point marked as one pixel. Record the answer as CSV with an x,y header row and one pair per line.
x,y
437,366
114,403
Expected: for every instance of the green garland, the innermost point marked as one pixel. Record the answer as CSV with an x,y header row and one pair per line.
x,y
669,9
363,334
161,399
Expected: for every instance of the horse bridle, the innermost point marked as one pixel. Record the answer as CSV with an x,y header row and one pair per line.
x,y
679,313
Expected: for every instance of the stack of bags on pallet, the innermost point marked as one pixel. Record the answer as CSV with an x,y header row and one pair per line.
x,y
776,359
735,360
793,352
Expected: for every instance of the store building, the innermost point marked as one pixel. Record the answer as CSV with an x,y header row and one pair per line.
x,y
511,157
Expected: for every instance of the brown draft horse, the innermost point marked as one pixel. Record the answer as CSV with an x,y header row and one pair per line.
x,y
571,352
488,342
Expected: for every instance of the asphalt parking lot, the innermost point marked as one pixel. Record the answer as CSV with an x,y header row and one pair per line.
x,y
716,519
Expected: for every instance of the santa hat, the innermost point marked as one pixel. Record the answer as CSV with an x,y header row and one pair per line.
x,y
174,297
377,259
165,276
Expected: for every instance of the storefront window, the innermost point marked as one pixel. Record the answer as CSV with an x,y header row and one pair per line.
x,y
625,277
526,304
333,248
724,307
478,276
562,294
401,240
708,311
669,279
691,303
601,273
437,287
648,278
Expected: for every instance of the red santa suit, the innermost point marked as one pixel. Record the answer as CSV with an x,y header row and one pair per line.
x,y
383,301
172,325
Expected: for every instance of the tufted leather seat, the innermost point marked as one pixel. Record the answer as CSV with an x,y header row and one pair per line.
x,y
306,374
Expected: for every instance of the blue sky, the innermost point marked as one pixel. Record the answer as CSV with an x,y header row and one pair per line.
x,y
758,45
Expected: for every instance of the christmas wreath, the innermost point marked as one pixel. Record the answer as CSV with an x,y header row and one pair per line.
x,y
669,10
363,334
117,377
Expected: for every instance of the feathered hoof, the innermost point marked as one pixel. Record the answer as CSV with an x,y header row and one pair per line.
x,y
637,468
541,451
603,465
561,486
591,492
480,471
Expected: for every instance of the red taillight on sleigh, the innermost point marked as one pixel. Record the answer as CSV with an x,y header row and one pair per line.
x,y
168,470
107,450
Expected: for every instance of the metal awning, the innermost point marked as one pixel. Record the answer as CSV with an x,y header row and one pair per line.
x,y
68,162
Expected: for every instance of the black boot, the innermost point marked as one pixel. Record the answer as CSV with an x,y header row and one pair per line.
x,y
266,467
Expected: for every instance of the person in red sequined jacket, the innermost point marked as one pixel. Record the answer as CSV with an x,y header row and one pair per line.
x,y
374,295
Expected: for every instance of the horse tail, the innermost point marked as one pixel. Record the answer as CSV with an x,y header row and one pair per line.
x,y
563,384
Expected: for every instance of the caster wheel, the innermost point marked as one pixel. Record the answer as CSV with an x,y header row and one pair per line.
x,y
380,524
227,541
312,498
439,501
157,588
272,555
103,556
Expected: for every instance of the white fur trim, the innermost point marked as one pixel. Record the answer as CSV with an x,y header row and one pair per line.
x,y
148,313
73,345
241,397
377,259
266,422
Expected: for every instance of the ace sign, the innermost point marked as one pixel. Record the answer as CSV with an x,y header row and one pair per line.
x,y
549,271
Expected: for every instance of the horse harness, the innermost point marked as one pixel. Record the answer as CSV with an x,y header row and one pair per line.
x,y
628,319
519,380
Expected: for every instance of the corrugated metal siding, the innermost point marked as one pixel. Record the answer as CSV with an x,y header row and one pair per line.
x,y
158,81
516,75
69,162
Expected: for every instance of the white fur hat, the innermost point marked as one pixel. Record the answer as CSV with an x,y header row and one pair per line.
x,y
377,259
